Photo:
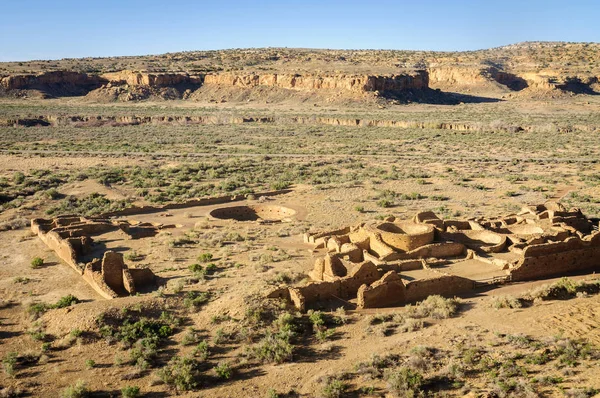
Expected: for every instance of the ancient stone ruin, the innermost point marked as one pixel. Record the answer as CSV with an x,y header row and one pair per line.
x,y
71,238
264,214
394,262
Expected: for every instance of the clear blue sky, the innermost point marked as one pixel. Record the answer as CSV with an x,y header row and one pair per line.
x,y
51,29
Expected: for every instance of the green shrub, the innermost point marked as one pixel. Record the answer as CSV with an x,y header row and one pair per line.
x,y
211,268
181,373
90,363
18,178
77,390
52,194
205,257
9,362
196,268
434,306
130,392
279,185
385,203
37,262
144,352
223,371
66,301
505,302
195,300
202,350
273,348
316,318
404,382
334,388
36,310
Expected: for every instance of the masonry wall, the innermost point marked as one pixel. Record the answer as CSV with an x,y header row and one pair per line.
x,y
558,258
444,285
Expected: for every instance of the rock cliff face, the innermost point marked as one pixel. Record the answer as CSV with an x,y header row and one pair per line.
x,y
61,83
151,79
490,79
22,82
351,83
236,86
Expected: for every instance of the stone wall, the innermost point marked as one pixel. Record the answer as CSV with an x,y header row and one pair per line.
x,y
68,238
558,258
444,285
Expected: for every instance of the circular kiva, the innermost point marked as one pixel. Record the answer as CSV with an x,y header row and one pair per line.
x,y
487,241
525,229
264,213
406,236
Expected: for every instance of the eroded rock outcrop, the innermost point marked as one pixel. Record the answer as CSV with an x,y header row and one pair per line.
x,y
351,83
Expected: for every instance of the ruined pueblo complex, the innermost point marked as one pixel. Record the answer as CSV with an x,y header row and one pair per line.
x,y
282,222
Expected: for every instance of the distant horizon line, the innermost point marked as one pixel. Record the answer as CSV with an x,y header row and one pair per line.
x,y
303,49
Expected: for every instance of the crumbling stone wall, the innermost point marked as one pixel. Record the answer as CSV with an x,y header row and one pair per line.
x,y
558,258
543,241
444,285
112,270
110,277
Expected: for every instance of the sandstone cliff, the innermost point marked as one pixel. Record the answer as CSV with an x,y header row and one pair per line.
x,y
60,83
351,83
150,79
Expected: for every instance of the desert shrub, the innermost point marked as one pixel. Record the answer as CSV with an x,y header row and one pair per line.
x,y
77,390
18,178
278,185
341,317
181,373
411,325
434,306
35,310
130,392
182,241
325,334
9,363
211,268
66,301
412,196
195,300
333,388
273,348
144,328
94,203
52,194
37,262
202,350
144,352
570,351
133,256
196,268
385,203
223,371
90,363
317,319
191,337
404,382
505,301
563,289
205,257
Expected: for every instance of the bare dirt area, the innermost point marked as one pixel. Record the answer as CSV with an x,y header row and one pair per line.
x,y
327,226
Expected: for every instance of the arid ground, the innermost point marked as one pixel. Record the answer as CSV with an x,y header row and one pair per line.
x,y
474,147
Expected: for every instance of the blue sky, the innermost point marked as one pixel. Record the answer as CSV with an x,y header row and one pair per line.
x,y
52,29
